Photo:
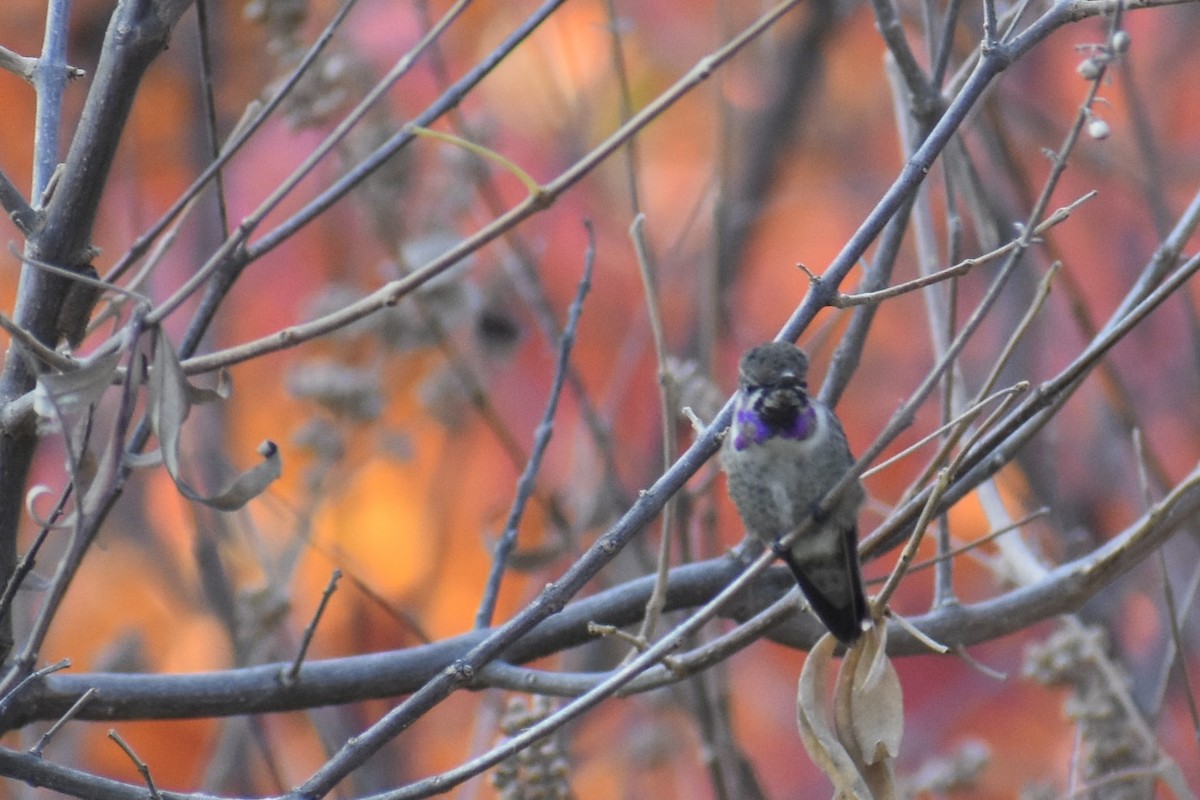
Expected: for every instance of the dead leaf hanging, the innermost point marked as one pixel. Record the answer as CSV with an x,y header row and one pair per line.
x,y
171,398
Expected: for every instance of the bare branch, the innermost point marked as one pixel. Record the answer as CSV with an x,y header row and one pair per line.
x,y
290,675
25,67
526,483
70,714
962,267
137,762
390,294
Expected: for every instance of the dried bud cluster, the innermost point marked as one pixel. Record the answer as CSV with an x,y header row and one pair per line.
x,y
539,772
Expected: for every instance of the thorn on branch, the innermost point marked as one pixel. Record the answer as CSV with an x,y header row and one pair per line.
x,y
813,277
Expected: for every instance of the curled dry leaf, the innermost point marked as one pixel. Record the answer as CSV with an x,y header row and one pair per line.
x,y
876,703
820,740
869,711
62,402
171,398
66,393
31,498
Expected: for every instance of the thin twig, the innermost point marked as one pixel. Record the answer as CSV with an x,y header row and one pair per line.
x,y
482,152
29,560
13,202
25,67
1035,306
964,266
926,642
969,414
887,21
644,660
289,676
977,665
137,762
917,566
30,678
70,714
625,99
666,406
1170,656
78,277
238,138
637,643
391,293
210,111
941,58
528,480
990,38
1173,619
1173,622
670,672
879,602
36,349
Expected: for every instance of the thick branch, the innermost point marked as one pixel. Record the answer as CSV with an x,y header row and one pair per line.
x,y
259,689
137,33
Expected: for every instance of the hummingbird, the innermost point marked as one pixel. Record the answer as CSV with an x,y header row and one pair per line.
x,y
782,454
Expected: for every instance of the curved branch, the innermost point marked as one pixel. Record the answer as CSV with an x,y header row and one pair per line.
x,y
1061,590
261,689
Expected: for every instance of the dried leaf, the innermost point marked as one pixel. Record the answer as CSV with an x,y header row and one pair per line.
x,y
876,701
869,712
31,498
171,397
815,731
68,392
